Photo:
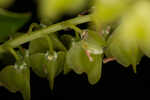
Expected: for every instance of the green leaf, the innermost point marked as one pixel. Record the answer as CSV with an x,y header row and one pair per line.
x,y
40,45
16,78
81,62
38,63
10,23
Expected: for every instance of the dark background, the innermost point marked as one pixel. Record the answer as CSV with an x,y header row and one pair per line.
x,y
116,80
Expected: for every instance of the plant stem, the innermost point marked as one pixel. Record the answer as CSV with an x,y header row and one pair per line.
x,y
77,30
45,31
33,25
50,44
13,52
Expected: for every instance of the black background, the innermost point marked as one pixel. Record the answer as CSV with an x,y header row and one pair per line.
x,y
116,80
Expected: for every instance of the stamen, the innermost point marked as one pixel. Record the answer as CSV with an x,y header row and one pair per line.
x,y
106,60
89,55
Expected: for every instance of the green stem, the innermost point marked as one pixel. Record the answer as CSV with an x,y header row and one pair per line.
x,y
45,31
77,30
33,25
50,44
13,52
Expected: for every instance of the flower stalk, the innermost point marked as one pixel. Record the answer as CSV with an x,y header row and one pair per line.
x,y
45,31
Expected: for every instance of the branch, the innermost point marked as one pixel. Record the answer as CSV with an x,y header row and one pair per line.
x,y
45,31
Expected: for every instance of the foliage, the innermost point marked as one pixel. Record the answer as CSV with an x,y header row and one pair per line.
x,y
116,29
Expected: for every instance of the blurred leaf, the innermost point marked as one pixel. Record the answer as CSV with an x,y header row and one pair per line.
x,y
16,78
139,25
11,23
80,62
41,45
5,3
106,11
51,10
